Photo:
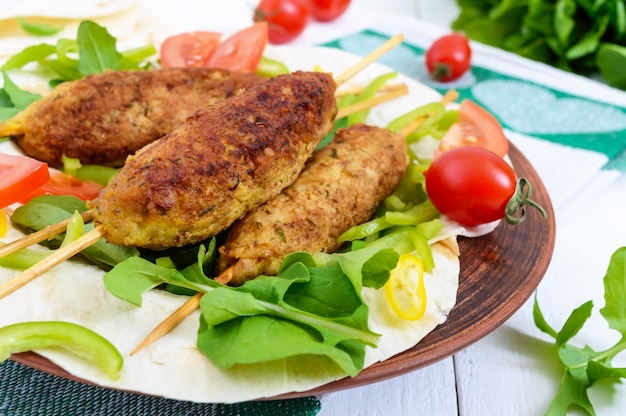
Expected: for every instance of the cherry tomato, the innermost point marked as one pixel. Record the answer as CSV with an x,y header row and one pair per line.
x,y
470,185
242,51
327,10
63,184
286,19
20,176
449,57
476,127
188,49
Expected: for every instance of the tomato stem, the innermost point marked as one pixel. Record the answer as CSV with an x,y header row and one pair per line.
x,y
516,207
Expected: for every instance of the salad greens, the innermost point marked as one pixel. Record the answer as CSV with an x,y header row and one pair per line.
x,y
319,305
93,51
583,36
45,210
13,99
584,367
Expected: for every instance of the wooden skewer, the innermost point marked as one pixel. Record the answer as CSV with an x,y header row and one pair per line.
x,y
359,89
169,323
39,236
43,266
450,96
371,102
369,59
55,229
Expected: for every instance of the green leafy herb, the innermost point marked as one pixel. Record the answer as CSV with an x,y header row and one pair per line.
x,y
13,99
568,34
305,309
97,50
584,366
39,29
93,51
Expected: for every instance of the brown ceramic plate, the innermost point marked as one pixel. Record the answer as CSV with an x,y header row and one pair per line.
x,y
499,272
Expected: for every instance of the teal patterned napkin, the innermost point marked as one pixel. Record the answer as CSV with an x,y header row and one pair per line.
x,y
26,392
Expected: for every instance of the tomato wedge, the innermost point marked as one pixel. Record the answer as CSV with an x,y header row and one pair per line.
x,y
63,184
242,51
477,127
20,176
188,49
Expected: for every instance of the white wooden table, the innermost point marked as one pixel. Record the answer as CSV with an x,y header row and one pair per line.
x,y
511,371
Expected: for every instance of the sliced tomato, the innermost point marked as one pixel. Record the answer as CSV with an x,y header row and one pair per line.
x,y
188,49
63,184
242,51
476,127
20,176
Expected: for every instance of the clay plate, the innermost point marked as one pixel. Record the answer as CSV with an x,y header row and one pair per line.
x,y
499,272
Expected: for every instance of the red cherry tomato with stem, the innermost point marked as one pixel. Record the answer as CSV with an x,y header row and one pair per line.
x,y
449,57
473,186
286,19
328,10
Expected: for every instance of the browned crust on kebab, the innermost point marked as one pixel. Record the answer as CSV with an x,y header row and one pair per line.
x,y
341,186
103,118
223,161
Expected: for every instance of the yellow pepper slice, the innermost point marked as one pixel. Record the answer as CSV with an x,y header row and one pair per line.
x,y
405,288
3,223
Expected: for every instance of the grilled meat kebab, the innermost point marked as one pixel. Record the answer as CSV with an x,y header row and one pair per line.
x,y
341,186
222,161
103,118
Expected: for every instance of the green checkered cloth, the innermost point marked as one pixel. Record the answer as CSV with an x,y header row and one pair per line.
x,y
25,392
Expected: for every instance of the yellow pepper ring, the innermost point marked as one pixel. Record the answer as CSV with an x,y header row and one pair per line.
x,y
3,223
405,288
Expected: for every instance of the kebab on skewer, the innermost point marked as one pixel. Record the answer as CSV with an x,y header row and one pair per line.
x,y
341,186
263,166
103,118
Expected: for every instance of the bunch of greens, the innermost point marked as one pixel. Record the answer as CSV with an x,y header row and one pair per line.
x,y
93,51
583,36
584,367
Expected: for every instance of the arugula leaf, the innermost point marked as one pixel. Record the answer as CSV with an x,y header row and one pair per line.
x,y
13,99
29,54
574,323
615,292
301,311
97,49
582,367
305,309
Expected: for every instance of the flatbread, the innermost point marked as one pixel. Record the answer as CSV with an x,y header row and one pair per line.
x,y
63,9
172,367
130,24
